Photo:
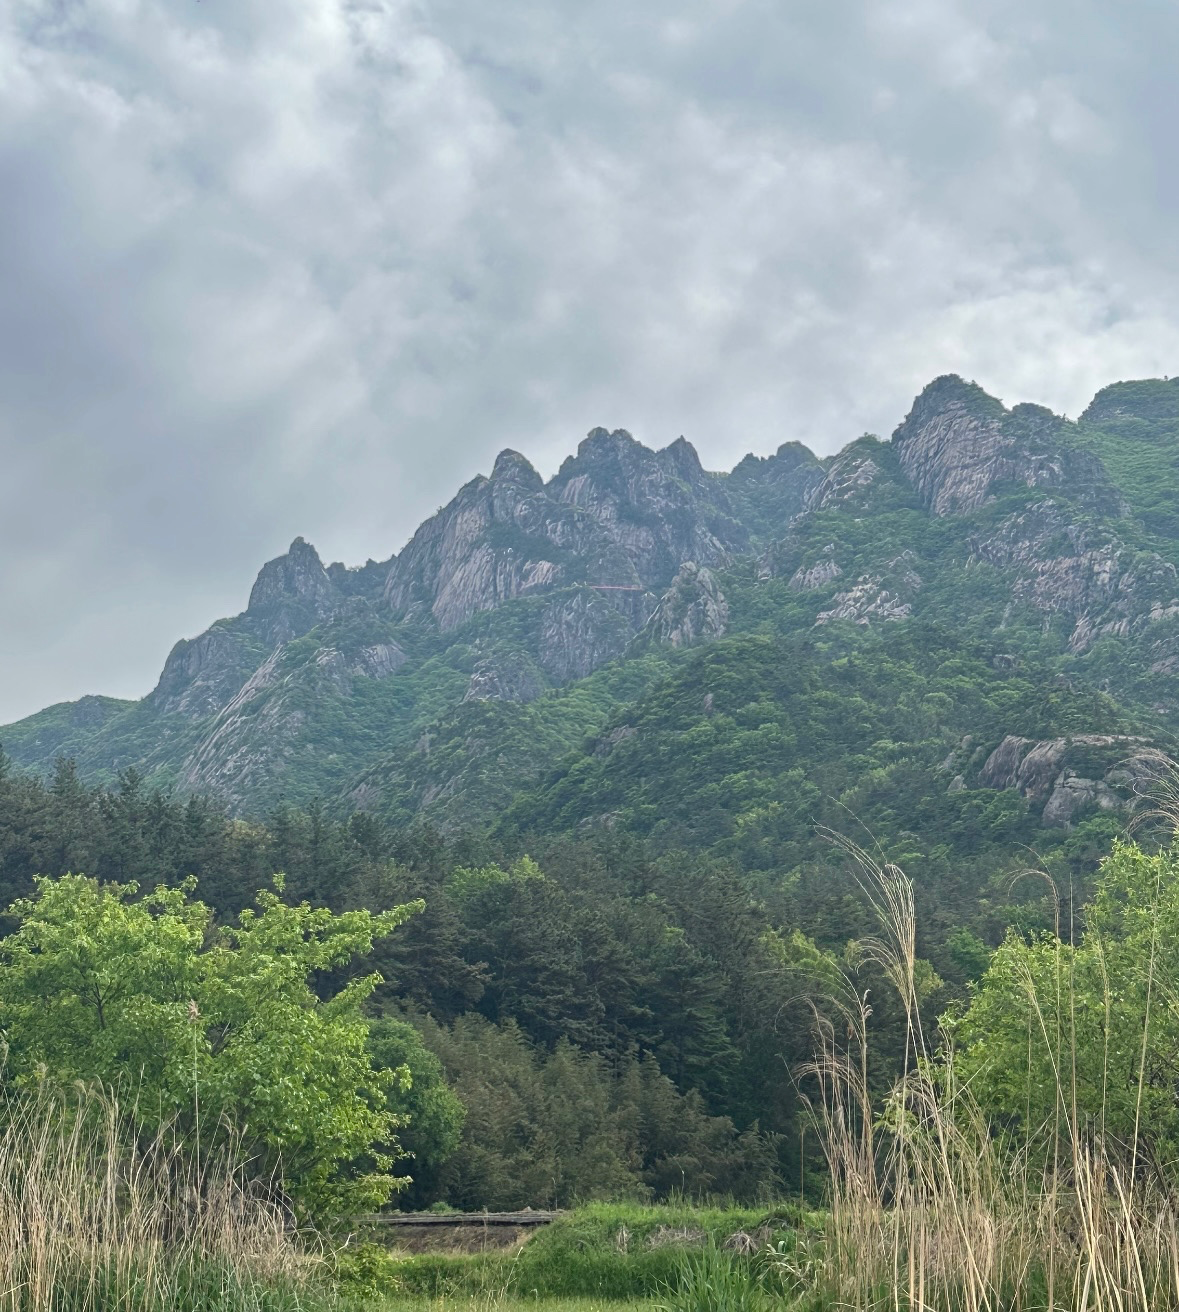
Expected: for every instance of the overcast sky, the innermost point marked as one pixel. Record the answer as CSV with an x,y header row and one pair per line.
x,y
279,267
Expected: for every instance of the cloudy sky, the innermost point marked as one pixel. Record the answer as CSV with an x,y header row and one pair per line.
x,y
279,267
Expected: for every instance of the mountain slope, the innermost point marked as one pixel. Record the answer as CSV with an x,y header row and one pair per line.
x,y
513,656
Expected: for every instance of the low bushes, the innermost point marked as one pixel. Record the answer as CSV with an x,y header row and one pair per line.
x,y
608,1251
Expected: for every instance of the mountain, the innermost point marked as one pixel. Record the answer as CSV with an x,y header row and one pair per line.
x,y
710,658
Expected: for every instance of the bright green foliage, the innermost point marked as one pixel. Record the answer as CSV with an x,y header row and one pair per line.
x,y
1133,427
1054,1034
210,1025
466,882
714,1280
433,1112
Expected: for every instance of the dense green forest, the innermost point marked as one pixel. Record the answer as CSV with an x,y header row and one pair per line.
x,y
583,1016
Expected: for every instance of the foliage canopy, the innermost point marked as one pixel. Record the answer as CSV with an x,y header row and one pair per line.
x,y
210,1025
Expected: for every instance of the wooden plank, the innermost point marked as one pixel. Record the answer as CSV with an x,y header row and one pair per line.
x,y
461,1219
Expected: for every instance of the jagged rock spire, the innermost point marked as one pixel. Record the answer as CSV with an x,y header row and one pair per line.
x,y
299,576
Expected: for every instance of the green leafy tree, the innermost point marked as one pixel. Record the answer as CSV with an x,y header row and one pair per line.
x,y
1086,1038
434,1111
211,1026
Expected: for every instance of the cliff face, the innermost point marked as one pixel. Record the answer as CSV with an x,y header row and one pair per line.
x,y
1085,573
617,515
291,595
692,610
497,540
657,508
958,447
994,523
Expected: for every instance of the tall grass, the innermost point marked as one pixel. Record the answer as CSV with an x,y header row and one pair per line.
x,y
94,1216
934,1207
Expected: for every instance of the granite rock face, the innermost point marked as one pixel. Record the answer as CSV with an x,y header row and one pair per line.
x,y
692,610
659,508
203,674
887,595
958,445
813,578
495,541
1065,567
1046,772
581,632
292,594
849,481
505,677
618,518
616,515
243,747
378,660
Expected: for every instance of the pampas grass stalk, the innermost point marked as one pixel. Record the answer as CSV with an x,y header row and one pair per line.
x,y
94,1215
933,1207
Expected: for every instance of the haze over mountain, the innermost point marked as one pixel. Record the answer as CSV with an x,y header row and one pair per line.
x,y
639,641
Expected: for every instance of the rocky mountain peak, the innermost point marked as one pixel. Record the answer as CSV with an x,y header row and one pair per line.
x,y
511,467
297,576
292,593
657,507
951,445
958,444
601,443
682,457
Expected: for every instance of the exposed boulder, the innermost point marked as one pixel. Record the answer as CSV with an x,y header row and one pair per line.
x,y
609,741
1048,771
1071,795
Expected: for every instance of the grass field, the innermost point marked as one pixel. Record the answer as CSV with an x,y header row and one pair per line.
x,y
510,1303
602,1255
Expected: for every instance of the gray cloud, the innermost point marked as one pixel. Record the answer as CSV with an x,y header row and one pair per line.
x,y
303,266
